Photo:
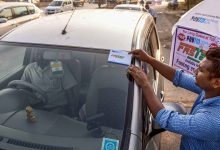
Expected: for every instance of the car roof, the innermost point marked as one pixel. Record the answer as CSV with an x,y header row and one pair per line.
x,y
92,28
10,4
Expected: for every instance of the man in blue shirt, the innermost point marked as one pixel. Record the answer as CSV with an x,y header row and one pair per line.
x,y
201,128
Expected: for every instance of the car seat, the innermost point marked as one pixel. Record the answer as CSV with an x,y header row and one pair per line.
x,y
107,95
74,67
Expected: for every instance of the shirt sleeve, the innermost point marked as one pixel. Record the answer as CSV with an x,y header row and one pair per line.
x,y
152,12
155,13
201,125
186,81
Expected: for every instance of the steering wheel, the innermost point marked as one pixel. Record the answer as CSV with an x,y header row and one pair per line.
x,y
20,84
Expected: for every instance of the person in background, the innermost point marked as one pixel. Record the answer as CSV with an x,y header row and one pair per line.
x,y
151,11
200,129
173,4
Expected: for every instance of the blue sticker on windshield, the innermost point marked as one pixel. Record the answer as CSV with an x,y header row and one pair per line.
x,y
109,144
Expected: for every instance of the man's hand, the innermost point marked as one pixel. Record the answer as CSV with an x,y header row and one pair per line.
x,y
139,75
141,55
164,69
153,103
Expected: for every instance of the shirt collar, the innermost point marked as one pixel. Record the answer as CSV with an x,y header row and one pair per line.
x,y
213,100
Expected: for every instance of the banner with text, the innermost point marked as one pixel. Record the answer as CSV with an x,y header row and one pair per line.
x,y
189,47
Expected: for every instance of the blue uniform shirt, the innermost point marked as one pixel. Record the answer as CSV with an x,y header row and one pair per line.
x,y
200,129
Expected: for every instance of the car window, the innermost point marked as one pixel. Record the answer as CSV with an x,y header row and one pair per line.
x,y
148,68
69,2
20,11
11,58
31,9
150,48
6,13
55,3
64,3
153,41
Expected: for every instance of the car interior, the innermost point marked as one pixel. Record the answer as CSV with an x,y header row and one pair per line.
x,y
96,81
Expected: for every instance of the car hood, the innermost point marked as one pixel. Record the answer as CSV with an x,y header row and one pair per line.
x,y
53,7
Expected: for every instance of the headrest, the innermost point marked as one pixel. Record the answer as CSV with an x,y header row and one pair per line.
x,y
57,55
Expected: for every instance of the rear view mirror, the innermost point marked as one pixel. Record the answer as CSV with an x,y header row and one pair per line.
x,y
3,20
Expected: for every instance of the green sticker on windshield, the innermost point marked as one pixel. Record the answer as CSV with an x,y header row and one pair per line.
x,y
109,144
56,68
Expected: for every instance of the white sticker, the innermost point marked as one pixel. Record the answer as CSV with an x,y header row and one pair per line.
x,y
119,57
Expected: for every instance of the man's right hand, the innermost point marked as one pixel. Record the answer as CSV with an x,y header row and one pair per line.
x,y
164,69
141,55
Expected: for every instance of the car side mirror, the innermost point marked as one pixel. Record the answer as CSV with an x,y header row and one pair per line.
x,y
3,20
177,107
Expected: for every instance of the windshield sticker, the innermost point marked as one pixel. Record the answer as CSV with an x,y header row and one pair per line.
x,y
119,57
57,68
109,144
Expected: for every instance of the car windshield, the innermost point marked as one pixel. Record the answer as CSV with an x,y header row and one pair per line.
x,y
55,3
61,97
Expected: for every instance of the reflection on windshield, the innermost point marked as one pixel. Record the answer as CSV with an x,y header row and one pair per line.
x,y
55,3
86,96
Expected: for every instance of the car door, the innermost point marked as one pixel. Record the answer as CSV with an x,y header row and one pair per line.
x,y
152,48
65,6
141,123
10,24
33,12
69,5
21,14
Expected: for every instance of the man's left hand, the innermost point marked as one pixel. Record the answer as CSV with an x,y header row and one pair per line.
x,y
139,75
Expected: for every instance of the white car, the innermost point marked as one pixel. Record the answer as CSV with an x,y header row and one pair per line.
x,y
77,3
57,6
13,14
136,7
110,110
